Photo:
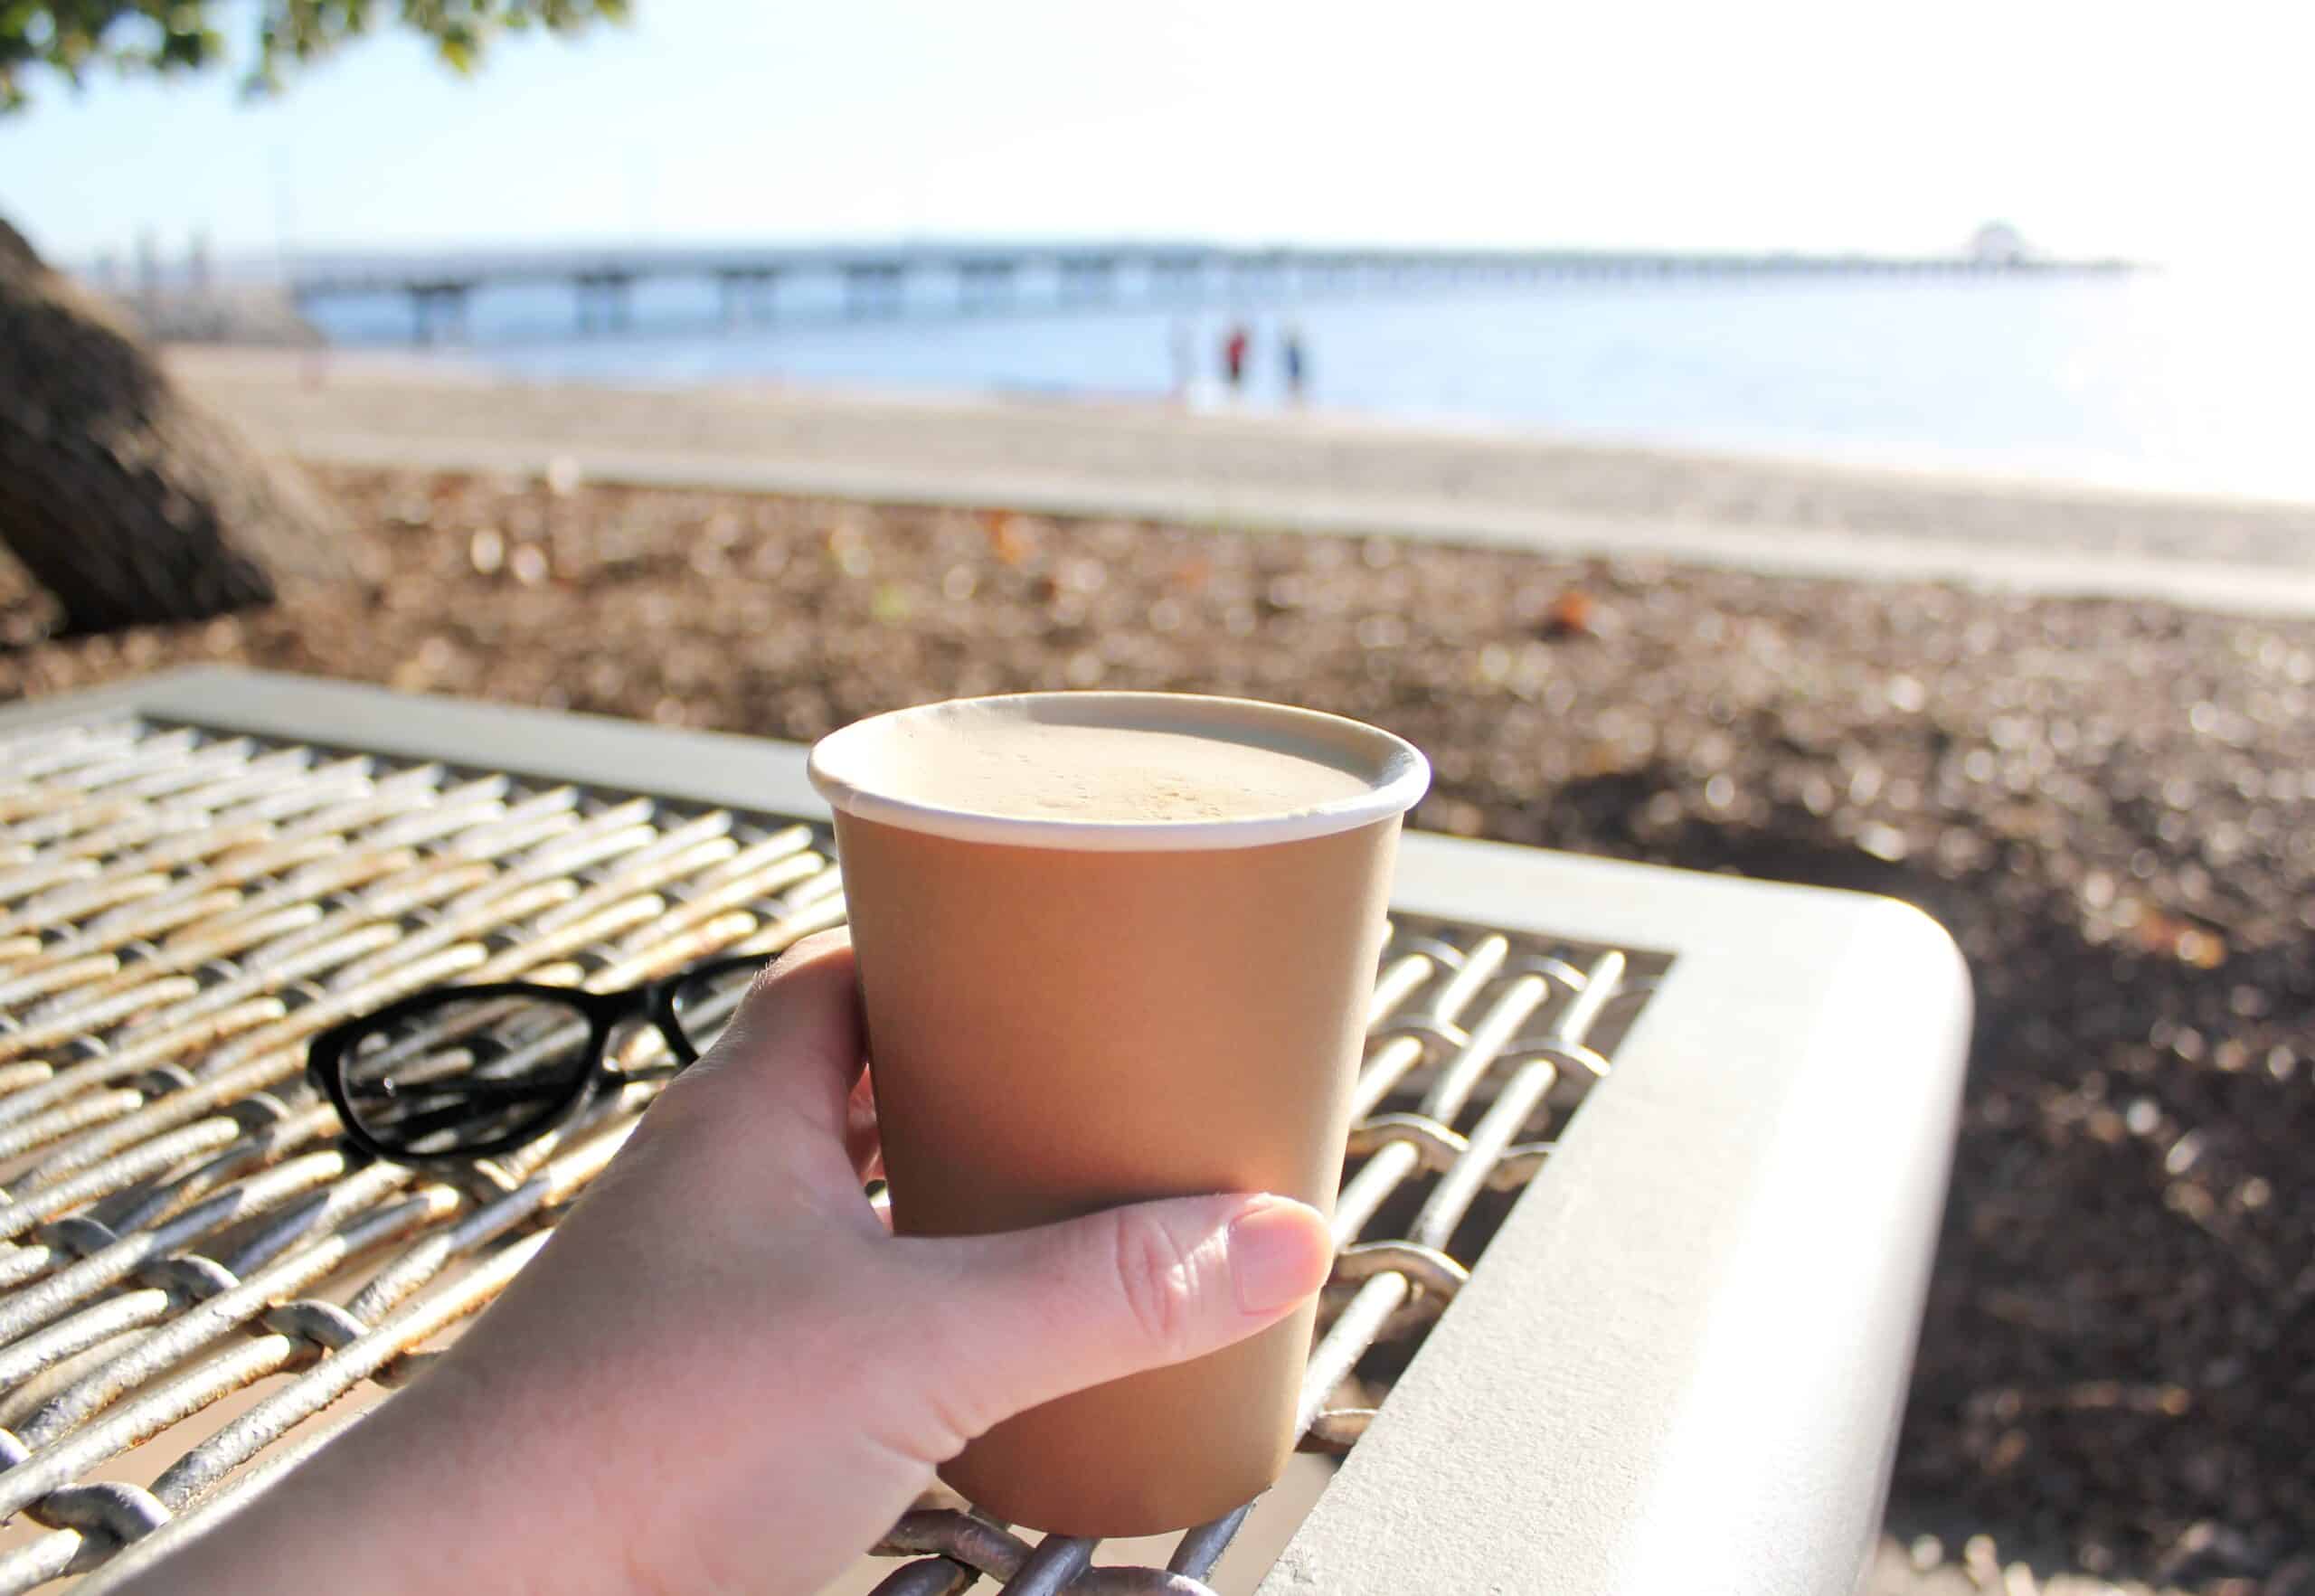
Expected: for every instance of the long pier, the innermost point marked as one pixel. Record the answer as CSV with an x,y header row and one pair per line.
x,y
987,278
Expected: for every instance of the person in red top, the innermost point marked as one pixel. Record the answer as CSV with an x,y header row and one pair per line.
x,y
1233,356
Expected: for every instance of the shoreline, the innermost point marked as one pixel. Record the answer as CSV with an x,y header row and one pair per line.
x,y
1919,468
1313,471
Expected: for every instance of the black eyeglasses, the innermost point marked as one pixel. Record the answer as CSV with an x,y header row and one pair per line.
x,y
464,1072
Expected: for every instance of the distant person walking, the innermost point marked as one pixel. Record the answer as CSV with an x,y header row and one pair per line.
x,y
1297,363
1183,351
1233,356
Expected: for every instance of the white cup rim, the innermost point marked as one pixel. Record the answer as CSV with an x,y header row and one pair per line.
x,y
1397,774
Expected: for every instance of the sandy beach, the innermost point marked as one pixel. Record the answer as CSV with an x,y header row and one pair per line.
x,y
2109,799
1293,470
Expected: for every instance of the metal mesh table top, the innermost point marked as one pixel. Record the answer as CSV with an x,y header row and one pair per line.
x,y
180,910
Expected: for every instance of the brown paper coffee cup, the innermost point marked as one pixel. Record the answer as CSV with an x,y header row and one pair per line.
x,y
1068,1014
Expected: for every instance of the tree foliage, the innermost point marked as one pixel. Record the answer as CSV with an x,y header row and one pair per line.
x,y
72,39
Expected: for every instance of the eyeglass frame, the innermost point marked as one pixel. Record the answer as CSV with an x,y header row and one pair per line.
x,y
604,1012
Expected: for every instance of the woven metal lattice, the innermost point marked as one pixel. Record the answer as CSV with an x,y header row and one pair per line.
x,y
183,1241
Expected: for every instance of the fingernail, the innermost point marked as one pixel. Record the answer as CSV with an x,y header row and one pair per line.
x,y
1280,1252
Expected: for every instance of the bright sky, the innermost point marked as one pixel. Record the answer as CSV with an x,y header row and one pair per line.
x,y
2162,131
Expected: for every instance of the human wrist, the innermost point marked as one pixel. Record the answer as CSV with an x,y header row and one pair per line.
x,y
523,1471
446,1487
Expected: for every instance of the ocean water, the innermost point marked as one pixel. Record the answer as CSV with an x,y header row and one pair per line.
x,y
2167,379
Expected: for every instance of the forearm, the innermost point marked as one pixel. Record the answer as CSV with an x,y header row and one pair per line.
x,y
440,1490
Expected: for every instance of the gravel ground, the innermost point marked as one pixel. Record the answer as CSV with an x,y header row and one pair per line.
x,y
2111,804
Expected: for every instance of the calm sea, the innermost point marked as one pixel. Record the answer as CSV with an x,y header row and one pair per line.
x,y
2164,379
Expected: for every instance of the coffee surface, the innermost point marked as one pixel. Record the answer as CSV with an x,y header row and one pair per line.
x,y
996,760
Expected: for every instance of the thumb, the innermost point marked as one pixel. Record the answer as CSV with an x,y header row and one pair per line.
x,y
1040,1313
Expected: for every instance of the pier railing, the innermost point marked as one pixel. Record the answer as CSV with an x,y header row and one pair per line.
x,y
980,279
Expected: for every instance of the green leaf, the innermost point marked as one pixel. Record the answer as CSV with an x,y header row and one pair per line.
x,y
62,38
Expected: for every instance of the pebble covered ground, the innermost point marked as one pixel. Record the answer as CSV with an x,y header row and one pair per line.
x,y
2111,805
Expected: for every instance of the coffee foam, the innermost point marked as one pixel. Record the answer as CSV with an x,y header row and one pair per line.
x,y
1117,771
1006,760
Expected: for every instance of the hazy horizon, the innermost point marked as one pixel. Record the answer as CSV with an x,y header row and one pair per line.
x,y
258,260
